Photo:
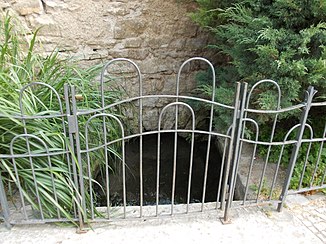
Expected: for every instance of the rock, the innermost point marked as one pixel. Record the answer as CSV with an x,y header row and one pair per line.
x,y
129,28
28,7
117,9
4,5
133,43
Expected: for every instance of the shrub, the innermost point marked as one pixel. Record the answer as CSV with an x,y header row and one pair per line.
x,y
262,39
282,40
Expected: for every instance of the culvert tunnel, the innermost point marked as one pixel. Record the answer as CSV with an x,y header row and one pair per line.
x,y
149,168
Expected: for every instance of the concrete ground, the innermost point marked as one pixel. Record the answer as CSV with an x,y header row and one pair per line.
x,y
303,220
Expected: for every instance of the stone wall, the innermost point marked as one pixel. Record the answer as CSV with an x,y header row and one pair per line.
x,y
158,35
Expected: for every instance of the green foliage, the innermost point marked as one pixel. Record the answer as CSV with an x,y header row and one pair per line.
x,y
280,40
20,65
308,173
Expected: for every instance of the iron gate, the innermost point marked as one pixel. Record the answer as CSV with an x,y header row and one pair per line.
x,y
244,176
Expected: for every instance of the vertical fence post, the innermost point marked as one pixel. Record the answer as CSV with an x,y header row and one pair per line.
x,y
4,204
295,151
74,130
239,102
72,124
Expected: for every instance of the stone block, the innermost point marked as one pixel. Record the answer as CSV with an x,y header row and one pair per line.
x,y
137,54
117,9
48,27
28,7
129,28
4,5
99,43
133,43
54,3
293,200
133,54
152,65
196,43
150,119
178,44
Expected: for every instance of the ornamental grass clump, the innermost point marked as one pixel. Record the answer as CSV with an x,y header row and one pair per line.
x,y
51,189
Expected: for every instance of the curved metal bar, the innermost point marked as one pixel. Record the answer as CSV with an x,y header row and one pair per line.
x,y
318,104
140,100
175,153
59,115
144,134
197,59
281,110
274,122
27,117
99,110
266,81
103,115
24,155
34,84
114,61
281,154
140,119
211,115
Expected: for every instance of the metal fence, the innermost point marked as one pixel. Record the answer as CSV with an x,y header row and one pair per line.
x,y
104,183
263,177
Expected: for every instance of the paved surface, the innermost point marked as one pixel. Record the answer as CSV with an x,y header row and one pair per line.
x,y
303,220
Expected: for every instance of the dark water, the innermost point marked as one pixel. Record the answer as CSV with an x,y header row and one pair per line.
x,y
166,172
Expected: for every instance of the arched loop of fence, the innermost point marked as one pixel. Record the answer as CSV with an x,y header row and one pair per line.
x,y
211,114
107,166
105,67
278,107
23,90
27,136
197,59
264,82
87,126
140,116
176,104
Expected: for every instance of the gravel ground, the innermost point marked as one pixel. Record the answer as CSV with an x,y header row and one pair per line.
x,y
303,220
